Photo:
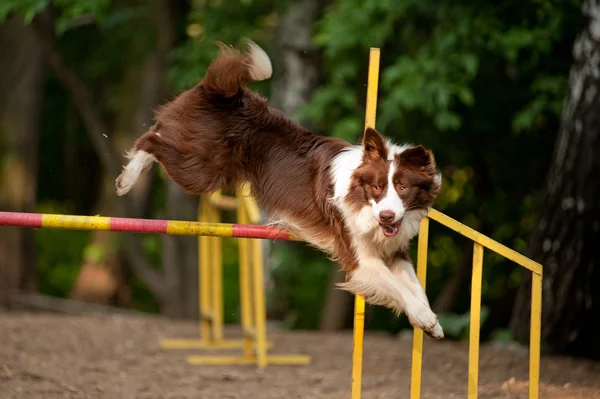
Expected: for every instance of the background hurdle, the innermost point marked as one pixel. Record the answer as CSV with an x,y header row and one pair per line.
x,y
252,297
210,276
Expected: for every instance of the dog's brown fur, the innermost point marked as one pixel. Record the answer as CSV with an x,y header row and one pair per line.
x,y
220,133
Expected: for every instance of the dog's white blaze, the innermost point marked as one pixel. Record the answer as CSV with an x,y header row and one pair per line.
x,y
391,201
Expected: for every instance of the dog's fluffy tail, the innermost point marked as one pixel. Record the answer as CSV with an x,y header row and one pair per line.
x,y
232,69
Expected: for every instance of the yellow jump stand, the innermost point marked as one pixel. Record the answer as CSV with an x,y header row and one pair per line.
x,y
252,295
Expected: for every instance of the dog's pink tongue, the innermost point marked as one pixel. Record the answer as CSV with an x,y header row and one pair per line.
x,y
390,230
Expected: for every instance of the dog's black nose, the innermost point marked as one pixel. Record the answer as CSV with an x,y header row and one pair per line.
x,y
387,217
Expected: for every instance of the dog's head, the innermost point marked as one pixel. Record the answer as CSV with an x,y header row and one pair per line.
x,y
393,180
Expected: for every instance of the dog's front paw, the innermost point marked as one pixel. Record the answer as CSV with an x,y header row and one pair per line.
x,y
436,332
426,320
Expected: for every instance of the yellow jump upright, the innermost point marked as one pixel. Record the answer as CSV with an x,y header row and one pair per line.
x,y
254,343
210,282
359,301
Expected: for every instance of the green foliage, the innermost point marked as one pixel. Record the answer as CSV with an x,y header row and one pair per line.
x,y
225,21
302,285
58,255
27,8
458,325
502,335
231,282
69,10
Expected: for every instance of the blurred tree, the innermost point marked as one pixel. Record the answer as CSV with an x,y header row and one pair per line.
x,y
565,240
297,74
21,101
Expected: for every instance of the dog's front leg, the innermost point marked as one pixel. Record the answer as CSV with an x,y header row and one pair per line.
x,y
404,271
376,282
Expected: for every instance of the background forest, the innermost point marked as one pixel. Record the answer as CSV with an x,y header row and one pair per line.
x,y
505,93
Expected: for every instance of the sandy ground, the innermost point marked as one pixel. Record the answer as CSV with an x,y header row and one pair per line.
x,y
54,356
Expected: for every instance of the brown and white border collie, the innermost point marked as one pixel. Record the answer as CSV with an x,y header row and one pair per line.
x,y
361,204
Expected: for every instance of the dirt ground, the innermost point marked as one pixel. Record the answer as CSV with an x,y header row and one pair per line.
x,y
54,356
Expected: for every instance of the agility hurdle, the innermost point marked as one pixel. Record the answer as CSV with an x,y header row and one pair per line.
x,y
252,298
210,287
215,229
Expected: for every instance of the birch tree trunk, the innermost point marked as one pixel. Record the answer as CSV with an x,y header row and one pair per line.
x,y
297,74
567,236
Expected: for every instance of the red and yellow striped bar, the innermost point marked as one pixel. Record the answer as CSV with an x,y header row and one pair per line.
x,y
151,226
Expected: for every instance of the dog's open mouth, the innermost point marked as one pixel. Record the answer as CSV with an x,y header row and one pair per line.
x,y
391,230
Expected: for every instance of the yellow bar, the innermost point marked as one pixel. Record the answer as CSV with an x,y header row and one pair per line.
x,y
76,222
260,306
200,344
534,338
244,360
372,85
216,270
359,301
252,210
475,320
417,352
357,351
223,202
245,296
485,241
211,229
203,344
204,275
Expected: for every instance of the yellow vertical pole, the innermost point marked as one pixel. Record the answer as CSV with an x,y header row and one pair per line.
x,y
216,268
245,298
204,276
359,301
475,320
359,330
260,306
417,352
535,335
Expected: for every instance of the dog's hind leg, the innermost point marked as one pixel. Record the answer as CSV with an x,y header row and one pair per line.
x,y
139,162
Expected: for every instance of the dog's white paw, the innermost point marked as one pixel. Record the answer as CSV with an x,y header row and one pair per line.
x,y
422,317
436,332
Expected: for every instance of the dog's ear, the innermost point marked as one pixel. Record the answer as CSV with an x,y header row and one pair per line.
x,y
418,157
374,145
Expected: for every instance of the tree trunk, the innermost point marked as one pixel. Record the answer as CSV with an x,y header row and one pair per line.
x,y
297,74
566,238
180,258
22,92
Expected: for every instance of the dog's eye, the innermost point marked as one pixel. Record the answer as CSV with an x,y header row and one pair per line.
x,y
402,188
376,189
